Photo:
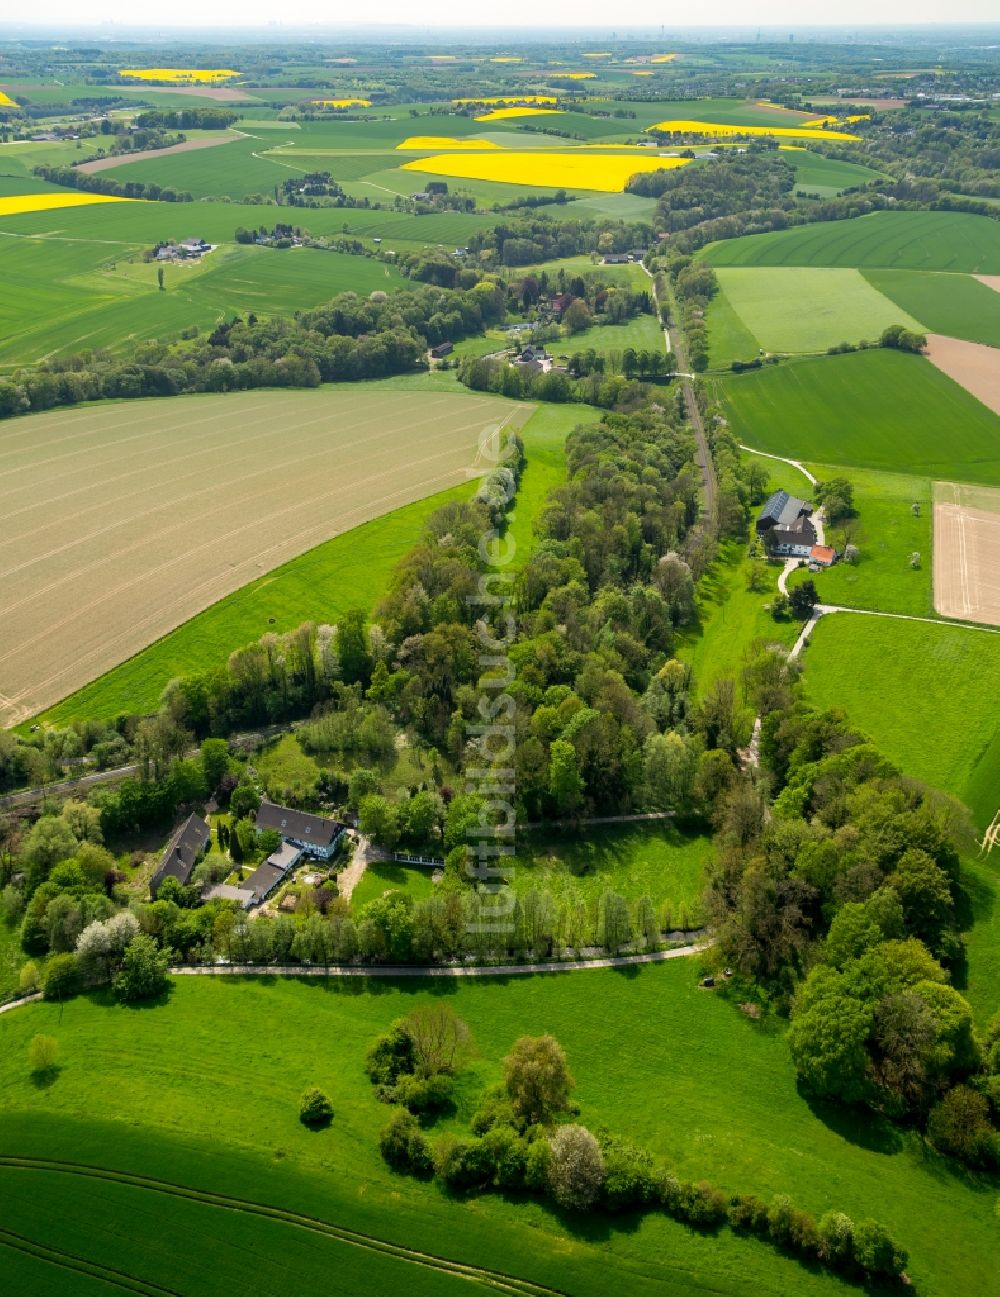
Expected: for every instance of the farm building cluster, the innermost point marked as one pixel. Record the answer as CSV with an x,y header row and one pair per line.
x,y
303,837
786,527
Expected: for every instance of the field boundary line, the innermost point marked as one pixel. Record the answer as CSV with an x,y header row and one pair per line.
x,y
459,1269
70,1261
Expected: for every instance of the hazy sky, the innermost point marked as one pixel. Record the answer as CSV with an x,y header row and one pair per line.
x,y
524,13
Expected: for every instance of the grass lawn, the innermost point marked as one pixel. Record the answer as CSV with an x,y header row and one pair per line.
x,y
958,306
643,333
904,240
886,533
387,876
730,619
288,773
871,409
659,861
668,1064
928,696
981,880
800,309
825,177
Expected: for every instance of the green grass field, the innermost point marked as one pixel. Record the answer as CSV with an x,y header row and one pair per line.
x,y
350,571
886,533
928,696
385,876
955,305
884,240
643,333
729,338
72,296
655,860
663,1062
878,409
803,310
730,618
825,177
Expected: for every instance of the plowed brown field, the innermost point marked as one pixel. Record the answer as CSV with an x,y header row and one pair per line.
x,y
122,521
967,552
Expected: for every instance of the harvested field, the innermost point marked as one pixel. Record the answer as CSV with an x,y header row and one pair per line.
x,y
975,367
991,281
224,94
122,521
189,146
967,552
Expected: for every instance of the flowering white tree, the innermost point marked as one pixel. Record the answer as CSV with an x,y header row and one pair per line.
x,y
576,1168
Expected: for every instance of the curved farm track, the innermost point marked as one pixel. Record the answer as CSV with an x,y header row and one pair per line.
x,y
494,1279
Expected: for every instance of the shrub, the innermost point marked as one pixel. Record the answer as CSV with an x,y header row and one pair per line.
x,y
536,1165
701,1204
315,1109
960,1126
836,1238
404,1146
462,1163
508,1156
43,1053
29,979
424,1094
390,1056
61,979
143,974
747,1212
576,1169
537,1078
875,1251
629,1179
495,1109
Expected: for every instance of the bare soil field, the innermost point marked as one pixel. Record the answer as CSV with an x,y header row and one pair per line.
x,y
967,552
121,521
868,101
189,146
224,94
974,366
991,281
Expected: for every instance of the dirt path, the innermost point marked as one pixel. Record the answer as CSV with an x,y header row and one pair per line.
x,y
349,878
189,146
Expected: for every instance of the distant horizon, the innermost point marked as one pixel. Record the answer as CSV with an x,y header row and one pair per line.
x,y
233,17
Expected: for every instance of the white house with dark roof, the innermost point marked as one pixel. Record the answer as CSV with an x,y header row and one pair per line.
x,y
314,835
785,525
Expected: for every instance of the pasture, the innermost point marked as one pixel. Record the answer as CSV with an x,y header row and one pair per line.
x,y
805,310
825,177
952,241
927,695
878,409
886,533
957,306
351,570
673,1067
84,296
185,500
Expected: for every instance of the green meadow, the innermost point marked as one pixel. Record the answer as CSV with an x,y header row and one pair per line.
x,y
825,177
953,241
886,533
665,1063
955,305
927,695
804,310
878,409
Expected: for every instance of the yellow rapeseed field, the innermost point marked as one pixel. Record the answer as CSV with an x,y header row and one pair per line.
x,y
600,54
428,142
17,204
576,76
663,58
713,128
6,101
641,74
344,103
510,99
506,58
179,74
608,173
501,114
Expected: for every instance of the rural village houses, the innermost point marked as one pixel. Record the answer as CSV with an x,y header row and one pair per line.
x,y
785,525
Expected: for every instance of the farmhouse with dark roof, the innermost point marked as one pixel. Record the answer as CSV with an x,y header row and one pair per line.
x,y
785,526
182,853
